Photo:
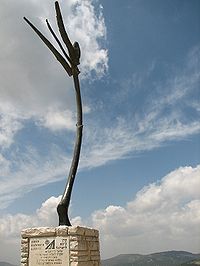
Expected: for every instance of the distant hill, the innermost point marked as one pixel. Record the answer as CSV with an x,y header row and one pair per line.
x,y
168,258
195,262
2,263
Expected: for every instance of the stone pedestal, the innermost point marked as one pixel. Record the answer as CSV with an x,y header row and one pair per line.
x,y
60,246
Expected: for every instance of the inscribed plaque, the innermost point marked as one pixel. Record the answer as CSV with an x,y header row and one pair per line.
x,y
49,251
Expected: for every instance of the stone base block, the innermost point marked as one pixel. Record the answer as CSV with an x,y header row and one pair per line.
x,y
60,246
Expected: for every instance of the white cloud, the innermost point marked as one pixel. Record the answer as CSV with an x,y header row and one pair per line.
x,y
100,147
45,100
32,171
10,123
11,226
87,27
163,118
56,120
32,82
4,164
122,139
163,216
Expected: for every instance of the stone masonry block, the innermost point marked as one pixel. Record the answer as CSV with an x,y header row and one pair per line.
x,y
73,245
24,240
91,238
24,249
38,231
95,258
76,238
24,255
93,245
62,230
91,232
94,253
24,260
76,230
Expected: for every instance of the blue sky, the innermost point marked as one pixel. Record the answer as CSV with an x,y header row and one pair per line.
x,y
139,170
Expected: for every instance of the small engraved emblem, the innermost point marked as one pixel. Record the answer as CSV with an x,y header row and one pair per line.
x,y
50,245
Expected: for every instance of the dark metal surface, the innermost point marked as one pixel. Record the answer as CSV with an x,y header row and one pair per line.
x,y
70,63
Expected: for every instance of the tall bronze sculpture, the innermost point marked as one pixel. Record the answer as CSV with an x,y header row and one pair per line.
x,y
70,63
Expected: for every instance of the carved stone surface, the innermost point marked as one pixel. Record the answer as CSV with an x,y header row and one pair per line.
x,y
61,246
49,251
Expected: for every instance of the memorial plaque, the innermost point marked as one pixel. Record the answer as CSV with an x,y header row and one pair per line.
x,y
49,251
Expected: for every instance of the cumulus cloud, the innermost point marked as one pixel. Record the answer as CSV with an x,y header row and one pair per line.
x,y
162,216
11,226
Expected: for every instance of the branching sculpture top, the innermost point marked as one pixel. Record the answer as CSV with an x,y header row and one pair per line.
x,y
70,62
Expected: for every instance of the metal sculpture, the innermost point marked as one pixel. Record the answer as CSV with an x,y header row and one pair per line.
x,y
70,63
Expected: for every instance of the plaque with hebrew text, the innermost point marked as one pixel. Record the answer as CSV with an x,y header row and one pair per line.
x,y
49,251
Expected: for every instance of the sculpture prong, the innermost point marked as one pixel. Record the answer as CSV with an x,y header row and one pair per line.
x,y
62,30
58,56
57,40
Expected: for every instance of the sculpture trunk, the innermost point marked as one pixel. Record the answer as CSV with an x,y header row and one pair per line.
x,y
69,63
63,206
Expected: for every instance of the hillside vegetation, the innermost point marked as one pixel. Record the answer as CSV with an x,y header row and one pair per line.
x,y
169,258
